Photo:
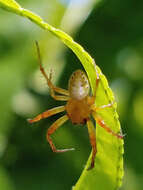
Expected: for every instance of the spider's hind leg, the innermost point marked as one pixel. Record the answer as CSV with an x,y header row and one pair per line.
x,y
94,108
53,89
97,80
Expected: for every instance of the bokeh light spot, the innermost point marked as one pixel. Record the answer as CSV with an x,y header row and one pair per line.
x,y
25,104
130,61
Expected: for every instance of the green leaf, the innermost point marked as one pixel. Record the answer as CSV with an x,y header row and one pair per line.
x,y
10,5
108,170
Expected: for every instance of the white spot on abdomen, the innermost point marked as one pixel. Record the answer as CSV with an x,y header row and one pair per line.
x,y
78,85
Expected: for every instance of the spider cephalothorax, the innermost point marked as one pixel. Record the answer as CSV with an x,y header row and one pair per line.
x,y
79,108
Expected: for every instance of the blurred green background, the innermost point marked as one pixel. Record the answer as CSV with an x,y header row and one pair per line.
x,y
112,32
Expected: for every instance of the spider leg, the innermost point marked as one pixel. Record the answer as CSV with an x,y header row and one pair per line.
x,y
97,79
103,125
47,113
52,129
106,106
92,136
53,88
94,108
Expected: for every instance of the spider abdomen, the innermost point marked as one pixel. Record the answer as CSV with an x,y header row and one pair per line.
x,y
78,85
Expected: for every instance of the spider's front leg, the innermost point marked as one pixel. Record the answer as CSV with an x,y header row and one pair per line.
x,y
103,125
92,136
52,129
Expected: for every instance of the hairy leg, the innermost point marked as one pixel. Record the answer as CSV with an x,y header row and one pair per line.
x,y
53,88
92,136
97,79
94,108
52,129
103,125
47,113
106,106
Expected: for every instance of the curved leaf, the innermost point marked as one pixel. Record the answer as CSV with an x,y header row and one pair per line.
x,y
108,170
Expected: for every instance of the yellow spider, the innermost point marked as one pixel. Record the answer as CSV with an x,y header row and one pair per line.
x,y
79,107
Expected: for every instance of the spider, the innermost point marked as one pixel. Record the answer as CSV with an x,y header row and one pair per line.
x,y
79,108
